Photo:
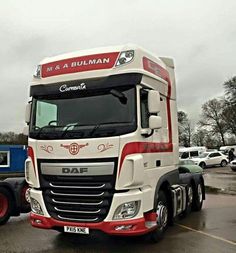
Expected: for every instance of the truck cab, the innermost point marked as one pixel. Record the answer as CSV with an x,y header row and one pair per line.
x,y
103,143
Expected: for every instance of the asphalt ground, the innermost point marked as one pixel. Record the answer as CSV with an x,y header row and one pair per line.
x,y
212,230
220,180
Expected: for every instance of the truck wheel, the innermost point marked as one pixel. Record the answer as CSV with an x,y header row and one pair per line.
x,y
190,201
202,165
25,205
5,205
162,217
223,163
198,197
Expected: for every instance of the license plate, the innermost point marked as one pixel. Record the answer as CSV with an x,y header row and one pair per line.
x,y
76,230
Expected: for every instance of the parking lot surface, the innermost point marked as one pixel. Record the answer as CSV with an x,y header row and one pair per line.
x,y
212,230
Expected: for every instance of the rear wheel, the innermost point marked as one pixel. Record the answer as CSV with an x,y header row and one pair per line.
x,y
190,201
162,217
5,205
202,165
198,197
223,163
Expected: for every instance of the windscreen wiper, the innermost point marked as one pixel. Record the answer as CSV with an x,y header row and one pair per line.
x,y
44,127
65,131
106,123
121,96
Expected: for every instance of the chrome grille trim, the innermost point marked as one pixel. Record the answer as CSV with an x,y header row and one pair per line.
x,y
77,195
78,203
76,211
77,187
71,219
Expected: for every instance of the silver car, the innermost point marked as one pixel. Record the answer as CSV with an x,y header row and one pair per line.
x,y
232,165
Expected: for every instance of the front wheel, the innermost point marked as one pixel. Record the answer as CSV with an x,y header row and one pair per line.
x,y
5,205
162,217
198,197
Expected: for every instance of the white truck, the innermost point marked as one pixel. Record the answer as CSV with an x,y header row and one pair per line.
x,y
103,144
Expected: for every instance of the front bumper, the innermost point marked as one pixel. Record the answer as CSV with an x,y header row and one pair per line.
x,y
137,226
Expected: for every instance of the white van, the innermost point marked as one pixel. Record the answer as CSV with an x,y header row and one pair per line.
x,y
225,149
191,152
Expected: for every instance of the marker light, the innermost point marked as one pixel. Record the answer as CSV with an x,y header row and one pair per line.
x,y
37,73
125,57
127,210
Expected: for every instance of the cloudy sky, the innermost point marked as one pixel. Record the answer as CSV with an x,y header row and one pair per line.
x,y
199,34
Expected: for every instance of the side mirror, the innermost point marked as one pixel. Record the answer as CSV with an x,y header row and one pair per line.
x,y
155,122
26,130
154,104
27,113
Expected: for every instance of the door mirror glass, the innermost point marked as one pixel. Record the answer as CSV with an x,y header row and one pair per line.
x,y
26,130
27,113
155,122
154,104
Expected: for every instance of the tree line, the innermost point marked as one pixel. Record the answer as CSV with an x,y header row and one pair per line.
x,y
217,124
10,138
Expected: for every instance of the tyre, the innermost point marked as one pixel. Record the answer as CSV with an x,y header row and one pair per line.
x,y
6,201
190,201
162,217
202,165
223,163
198,197
25,204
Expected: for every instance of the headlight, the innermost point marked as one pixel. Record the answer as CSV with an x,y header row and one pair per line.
x,y
127,210
125,57
35,206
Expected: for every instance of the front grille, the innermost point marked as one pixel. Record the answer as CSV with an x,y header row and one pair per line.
x,y
78,198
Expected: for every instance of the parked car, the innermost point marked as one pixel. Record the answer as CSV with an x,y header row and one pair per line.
x,y
208,159
189,166
232,165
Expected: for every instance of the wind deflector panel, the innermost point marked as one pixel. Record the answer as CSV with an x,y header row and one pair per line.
x,y
76,87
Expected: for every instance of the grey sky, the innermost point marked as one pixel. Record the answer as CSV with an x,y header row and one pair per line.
x,y
199,35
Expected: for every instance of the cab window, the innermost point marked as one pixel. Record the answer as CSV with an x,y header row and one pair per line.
x,y
144,108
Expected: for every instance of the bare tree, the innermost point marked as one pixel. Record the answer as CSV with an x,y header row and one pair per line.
x,y
229,112
185,129
212,118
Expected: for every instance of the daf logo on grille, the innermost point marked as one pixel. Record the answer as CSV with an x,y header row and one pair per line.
x,y
74,170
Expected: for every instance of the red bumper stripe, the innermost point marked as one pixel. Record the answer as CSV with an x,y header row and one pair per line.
x,y
138,225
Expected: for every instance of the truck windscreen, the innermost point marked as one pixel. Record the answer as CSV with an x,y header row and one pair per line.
x,y
94,114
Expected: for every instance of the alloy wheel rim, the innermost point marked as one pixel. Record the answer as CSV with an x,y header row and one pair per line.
x,y
3,205
199,191
162,215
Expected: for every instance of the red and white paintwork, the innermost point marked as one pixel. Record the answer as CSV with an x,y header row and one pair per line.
x,y
137,154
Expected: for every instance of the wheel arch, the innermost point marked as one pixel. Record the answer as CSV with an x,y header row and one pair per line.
x,y
164,184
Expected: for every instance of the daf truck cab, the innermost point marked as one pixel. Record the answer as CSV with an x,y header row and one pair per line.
x,y
103,144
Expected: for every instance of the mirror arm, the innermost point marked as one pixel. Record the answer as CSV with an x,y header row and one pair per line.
x,y
148,135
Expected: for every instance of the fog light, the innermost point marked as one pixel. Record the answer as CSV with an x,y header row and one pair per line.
x,y
35,206
123,227
38,221
127,210
125,57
